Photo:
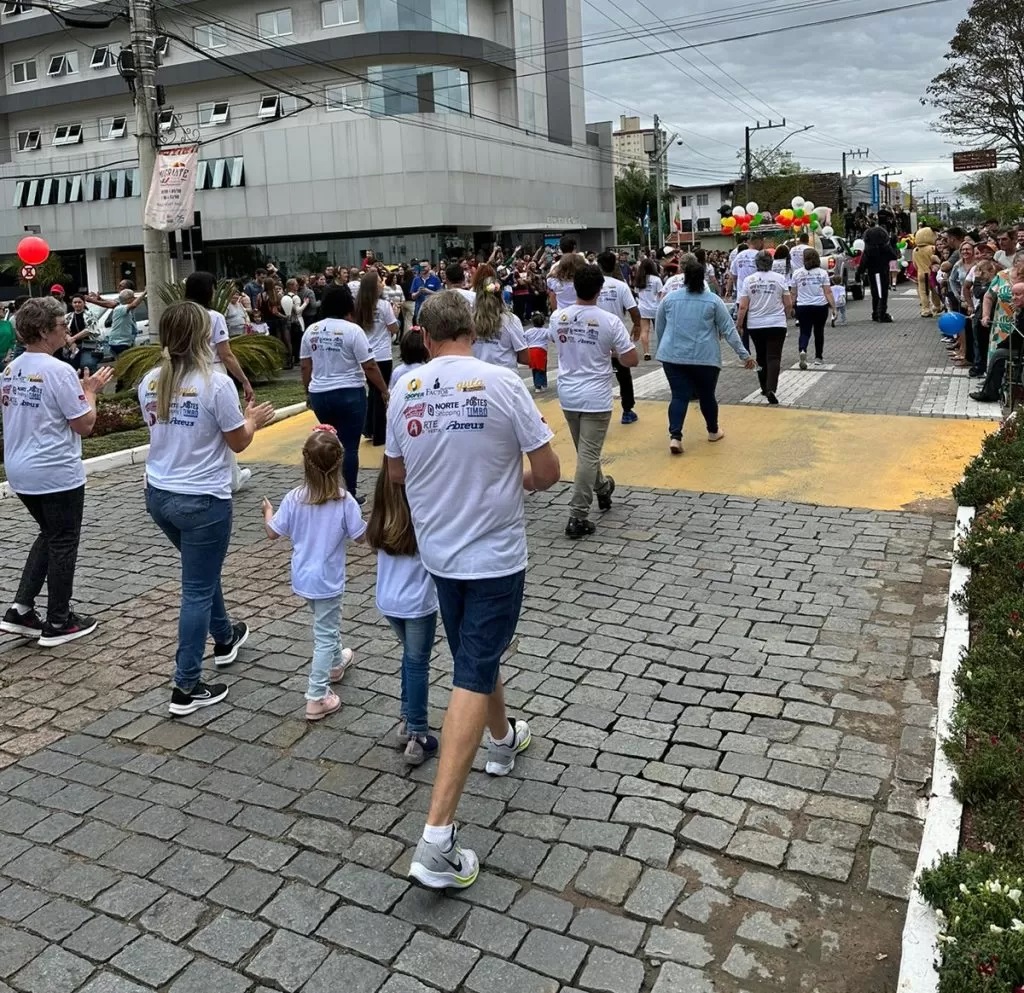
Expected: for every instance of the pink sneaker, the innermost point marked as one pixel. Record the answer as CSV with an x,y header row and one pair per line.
x,y
347,661
317,710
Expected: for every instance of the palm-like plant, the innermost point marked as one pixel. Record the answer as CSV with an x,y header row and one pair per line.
x,y
50,272
172,292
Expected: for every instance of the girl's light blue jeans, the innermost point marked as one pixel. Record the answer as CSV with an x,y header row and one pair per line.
x,y
417,637
326,645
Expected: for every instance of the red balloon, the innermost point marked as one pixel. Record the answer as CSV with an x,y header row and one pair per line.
x,y
33,250
744,225
785,222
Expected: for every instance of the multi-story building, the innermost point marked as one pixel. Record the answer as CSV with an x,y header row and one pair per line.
x,y
633,145
694,211
416,128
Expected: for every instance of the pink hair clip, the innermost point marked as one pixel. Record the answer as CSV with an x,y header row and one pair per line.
x,y
327,428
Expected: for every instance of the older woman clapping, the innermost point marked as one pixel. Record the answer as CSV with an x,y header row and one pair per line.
x,y
47,410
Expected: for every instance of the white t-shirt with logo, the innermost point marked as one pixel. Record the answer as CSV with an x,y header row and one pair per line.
x,y
503,349
585,338
338,349
400,370
810,287
784,270
318,533
40,394
648,297
742,266
564,291
839,295
379,336
673,283
187,452
765,291
616,298
468,295
796,256
404,587
218,333
462,427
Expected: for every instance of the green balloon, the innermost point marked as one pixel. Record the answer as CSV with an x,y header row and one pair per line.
x,y
901,245
815,224
758,218
799,212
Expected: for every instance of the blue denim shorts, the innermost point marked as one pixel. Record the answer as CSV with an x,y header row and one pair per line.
x,y
480,618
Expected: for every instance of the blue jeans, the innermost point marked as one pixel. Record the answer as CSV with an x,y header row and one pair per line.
x,y
684,380
345,411
200,528
480,618
417,637
326,645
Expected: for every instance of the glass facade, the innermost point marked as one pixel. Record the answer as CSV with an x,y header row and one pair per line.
x,y
417,15
397,90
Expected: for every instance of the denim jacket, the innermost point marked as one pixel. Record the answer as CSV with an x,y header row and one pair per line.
x,y
690,327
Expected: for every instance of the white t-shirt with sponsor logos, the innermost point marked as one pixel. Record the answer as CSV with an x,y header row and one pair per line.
x,y
404,587
468,295
504,349
616,298
564,291
585,338
462,426
187,452
218,333
796,256
810,286
765,291
379,336
338,349
742,266
319,533
40,394
648,297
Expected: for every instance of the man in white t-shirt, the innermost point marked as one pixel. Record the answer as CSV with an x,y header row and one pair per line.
x,y
796,253
457,432
743,265
586,338
617,299
455,276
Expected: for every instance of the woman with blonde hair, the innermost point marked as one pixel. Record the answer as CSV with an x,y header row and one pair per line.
x,y
375,316
195,423
560,283
499,336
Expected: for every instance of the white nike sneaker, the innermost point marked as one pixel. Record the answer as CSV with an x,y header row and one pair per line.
x,y
442,866
501,759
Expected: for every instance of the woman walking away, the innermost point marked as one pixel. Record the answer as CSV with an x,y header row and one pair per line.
x,y
408,600
765,304
336,364
814,303
648,291
195,424
375,316
690,324
560,282
320,517
500,339
47,411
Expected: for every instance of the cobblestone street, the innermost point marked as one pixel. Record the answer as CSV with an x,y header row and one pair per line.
x,y
731,703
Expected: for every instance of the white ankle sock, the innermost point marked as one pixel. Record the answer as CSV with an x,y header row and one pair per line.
x,y
22,609
437,835
508,739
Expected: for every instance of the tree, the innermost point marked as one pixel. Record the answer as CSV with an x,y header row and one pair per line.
x,y
634,196
770,162
980,93
50,272
998,192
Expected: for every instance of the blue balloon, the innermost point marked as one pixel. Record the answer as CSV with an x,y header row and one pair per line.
x,y
951,324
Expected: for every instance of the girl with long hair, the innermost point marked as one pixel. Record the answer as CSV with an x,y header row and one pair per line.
x,y
500,338
195,423
408,600
374,315
561,286
270,303
320,518
648,291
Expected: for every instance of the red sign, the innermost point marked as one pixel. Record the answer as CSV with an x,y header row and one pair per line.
x,y
28,273
984,158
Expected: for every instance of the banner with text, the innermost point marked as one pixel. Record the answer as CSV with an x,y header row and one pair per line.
x,y
172,194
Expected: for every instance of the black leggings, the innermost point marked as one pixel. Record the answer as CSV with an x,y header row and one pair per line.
x,y
625,377
375,426
811,319
768,344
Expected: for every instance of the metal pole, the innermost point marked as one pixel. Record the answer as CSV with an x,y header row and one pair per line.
x,y
156,251
657,179
746,170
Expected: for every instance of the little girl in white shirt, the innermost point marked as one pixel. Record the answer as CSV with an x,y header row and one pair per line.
x,y
320,517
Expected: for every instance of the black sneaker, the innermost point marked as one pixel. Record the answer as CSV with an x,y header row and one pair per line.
x,y
226,654
604,500
578,527
772,398
885,319
27,625
183,703
74,627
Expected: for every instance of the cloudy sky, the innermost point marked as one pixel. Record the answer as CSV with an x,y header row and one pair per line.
x,y
859,82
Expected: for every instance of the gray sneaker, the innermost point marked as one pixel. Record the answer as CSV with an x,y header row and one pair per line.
x,y
441,866
501,759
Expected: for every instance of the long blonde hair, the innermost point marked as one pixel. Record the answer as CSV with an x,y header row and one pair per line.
x,y
185,337
390,529
366,302
488,311
321,461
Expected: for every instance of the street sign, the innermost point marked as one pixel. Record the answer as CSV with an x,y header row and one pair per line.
x,y
984,158
28,273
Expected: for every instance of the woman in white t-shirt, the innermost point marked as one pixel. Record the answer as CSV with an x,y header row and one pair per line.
x,y
412,353
47,410
195,423
648,294
765,304
561,288
377,318
814,303
500,338
336,364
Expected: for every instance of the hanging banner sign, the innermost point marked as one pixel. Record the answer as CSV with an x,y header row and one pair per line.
x,y
172,193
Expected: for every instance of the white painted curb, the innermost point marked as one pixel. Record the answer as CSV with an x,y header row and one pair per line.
x,y
137,456
942,822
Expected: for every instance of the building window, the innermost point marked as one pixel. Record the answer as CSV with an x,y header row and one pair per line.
x,y
24,72
277,105
28,141
113,127
398,90
334,13
213,114
13,9
220,174
165,120
348,96
703,223
417,15
211,36
702,199
67,134
65,64
103,58
684,201
274,23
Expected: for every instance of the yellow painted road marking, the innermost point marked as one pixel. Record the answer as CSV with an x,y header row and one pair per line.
x,y
876,461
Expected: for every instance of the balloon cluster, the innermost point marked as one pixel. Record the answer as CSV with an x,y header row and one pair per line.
x,y
744,218
803,214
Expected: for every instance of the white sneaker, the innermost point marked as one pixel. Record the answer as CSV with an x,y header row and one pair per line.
x,y
244,475
803,360
819,363
501,759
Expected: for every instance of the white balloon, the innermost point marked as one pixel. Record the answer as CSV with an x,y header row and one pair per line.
x,y
738,211
827,232
752,208
823,211
797,203
858,245
808,207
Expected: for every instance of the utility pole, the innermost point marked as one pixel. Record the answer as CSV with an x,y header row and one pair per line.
x,y
859,153
657,149
910,187
747,132
885,181
156,250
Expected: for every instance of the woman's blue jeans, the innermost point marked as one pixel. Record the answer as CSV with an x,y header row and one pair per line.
x,y
417,637
199,526
685,381
345,411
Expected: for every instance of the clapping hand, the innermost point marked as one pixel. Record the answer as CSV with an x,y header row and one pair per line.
x,y
97,381
268,509
259,415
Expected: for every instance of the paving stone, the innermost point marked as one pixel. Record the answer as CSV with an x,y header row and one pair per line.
x,y
762,929
173,916
851,785
723,807
151,960
756,847
299,908
491,891
603,928
367,887
399,983
56,920
704,867
770,890
431,909
655,894
129,897
17,948
372,935
595,834
649,813
192,873
288,961
91,840
679,946
229,937
708,831
551,954
348,973
139,855
675,978
890,873
543,910
701,905
441,963
203,976
742,964
20,901
245,889
820,860
313,868
562,863
651,847
838,833
610,972
54,971
520,857
83,881
100,938
839,809
107,982
900,833
492,974
491,932
607,877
